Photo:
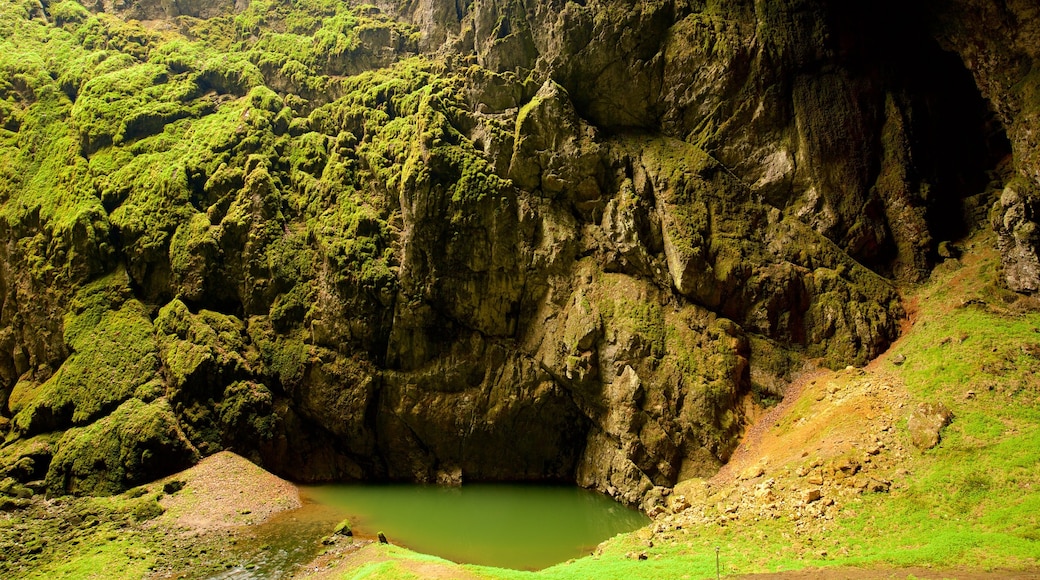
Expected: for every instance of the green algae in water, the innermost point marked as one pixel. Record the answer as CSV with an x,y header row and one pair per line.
x,y
525,527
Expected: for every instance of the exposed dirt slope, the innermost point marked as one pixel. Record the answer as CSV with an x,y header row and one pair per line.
x,y
224,491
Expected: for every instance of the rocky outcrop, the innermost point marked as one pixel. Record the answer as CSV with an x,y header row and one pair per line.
x,y
566,243
802,101
1014,219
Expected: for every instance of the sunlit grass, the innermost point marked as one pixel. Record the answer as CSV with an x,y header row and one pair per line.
x,y
121,557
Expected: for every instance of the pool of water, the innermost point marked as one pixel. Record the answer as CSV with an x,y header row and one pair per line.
x,y
524,527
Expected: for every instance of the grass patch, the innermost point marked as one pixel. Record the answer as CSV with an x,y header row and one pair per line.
x,y
120,557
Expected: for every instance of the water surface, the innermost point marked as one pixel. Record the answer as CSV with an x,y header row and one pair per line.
x,y
524,527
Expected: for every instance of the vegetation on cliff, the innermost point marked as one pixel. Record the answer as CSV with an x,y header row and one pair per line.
x,y
492,242
830,481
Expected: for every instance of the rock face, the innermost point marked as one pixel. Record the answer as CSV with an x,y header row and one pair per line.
x,y
447,241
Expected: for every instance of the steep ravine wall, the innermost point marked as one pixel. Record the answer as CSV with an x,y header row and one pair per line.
x,y
490,240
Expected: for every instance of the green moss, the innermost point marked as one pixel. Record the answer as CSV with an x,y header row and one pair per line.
x,y
343,528
90,305
113,353
159,192
642,318
226,72
27,459
45,186
198,351
156,205
310,41
137,443
247,413
104,558
471,177
286,356
132,102
68,12
107,32
310,153
525,111
194,256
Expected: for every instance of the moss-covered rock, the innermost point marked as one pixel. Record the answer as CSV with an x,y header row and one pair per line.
x,y
203,350
135,444
27,460
343,529
247,414
213,372
113,352
11,488
353,241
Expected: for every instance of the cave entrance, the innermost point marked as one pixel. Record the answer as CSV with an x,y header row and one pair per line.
x,y
958,145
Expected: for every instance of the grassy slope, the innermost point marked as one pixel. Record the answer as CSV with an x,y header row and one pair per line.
x,y
971,503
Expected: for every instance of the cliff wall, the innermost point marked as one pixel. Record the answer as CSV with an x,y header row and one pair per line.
x,y
490,240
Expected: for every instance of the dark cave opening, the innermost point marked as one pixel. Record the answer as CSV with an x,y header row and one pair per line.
x,y
957,142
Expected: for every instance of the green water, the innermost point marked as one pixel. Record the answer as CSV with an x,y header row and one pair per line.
x,y
524,527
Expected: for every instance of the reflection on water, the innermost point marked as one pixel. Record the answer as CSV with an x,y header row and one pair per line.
x,y
512,526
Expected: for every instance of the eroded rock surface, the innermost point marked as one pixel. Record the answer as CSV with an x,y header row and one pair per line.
x,y
449,241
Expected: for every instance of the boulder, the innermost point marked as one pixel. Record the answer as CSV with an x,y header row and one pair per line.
x,y
343,529
136,444
926,422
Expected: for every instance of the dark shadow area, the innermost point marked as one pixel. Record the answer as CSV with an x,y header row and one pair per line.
x,y
955,138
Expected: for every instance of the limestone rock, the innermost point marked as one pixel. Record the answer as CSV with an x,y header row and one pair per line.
x,y
1019,235
926,422
752,472
563,244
